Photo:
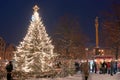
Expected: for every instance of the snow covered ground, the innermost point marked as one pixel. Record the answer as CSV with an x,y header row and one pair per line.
x,y
91,77
79,76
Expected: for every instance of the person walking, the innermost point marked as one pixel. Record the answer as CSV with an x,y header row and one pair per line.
x,y
104,67
85,69
111,68
9,68
108,67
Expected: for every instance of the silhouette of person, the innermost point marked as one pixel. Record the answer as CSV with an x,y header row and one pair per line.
x,y
85,69
9,68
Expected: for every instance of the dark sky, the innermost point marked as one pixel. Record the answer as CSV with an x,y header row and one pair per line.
x,y
15,15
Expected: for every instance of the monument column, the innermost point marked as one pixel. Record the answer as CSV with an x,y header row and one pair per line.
x,y
97,37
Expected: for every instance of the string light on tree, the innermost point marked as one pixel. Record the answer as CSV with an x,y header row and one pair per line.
x,y
35,52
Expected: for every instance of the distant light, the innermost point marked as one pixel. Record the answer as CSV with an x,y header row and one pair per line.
x,y
32,18
86,49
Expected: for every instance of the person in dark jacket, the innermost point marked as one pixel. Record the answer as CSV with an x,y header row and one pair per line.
x,y
104,67
112,67
76,66
9,68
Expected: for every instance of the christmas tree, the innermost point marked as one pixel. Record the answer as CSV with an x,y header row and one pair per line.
x,y
35,52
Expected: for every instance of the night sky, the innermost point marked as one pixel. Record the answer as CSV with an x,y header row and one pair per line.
x,y
15,15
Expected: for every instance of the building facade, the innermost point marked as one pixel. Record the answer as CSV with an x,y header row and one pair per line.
x,y
9,52
6,50
2,48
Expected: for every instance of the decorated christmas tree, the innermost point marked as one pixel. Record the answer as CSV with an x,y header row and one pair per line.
x,y
35,52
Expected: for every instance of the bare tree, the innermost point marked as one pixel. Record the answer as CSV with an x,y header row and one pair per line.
x,y
111,27
68,37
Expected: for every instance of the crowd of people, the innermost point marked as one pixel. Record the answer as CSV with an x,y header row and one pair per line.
x,y
105,67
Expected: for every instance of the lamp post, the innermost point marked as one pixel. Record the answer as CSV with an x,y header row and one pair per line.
x,y
97,38
101,51
86,51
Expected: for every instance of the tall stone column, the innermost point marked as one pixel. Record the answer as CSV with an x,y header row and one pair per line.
x,y
97,37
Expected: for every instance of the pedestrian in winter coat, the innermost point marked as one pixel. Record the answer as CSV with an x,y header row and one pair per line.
x,y
9,68
104,67
111,68
118,66
85,69
108,67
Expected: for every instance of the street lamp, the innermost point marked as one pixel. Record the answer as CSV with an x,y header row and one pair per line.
x,y
101,51
86,51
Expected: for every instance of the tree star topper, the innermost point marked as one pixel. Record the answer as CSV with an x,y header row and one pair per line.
x,y
36,8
